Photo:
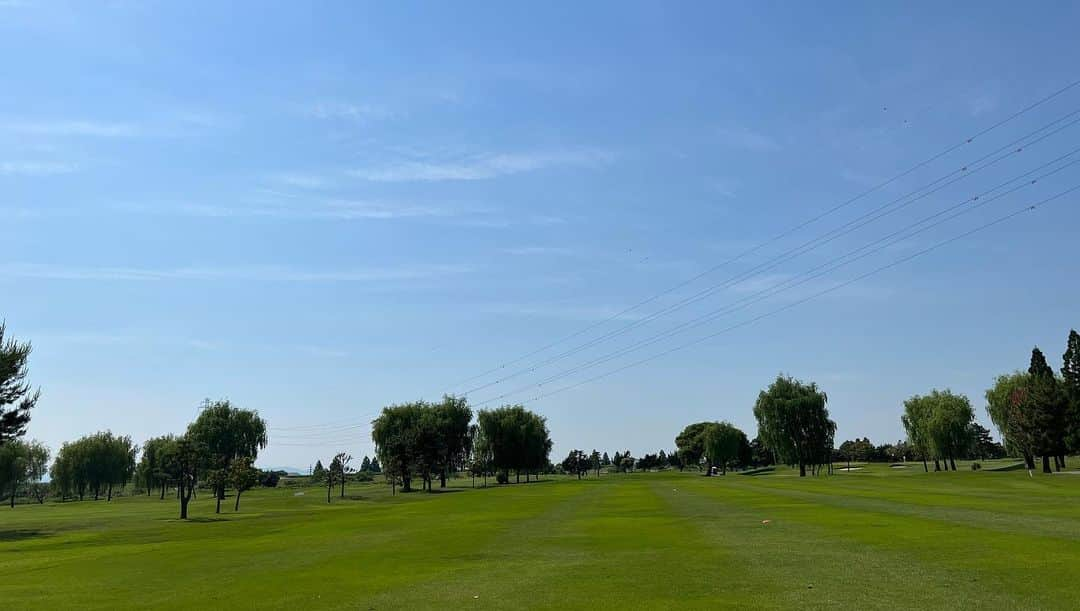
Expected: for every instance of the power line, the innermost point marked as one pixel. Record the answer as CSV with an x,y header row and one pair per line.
x,y
811,274
895,263
866,218
779,236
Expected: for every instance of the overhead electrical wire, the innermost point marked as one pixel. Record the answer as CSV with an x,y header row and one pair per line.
x,y
1013,148
814,272
777,237
900,261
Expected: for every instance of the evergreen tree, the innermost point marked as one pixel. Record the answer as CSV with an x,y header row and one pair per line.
x,y
318,474
1070,377
1048,408
365,465
375,468
16,400
605,460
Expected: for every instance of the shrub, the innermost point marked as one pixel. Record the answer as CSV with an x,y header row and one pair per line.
x,y
502,477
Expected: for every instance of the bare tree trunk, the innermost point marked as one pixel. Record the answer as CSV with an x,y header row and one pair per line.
x,y
926,468
236,507
802,469
952,463
1029,461
937,465
1046,464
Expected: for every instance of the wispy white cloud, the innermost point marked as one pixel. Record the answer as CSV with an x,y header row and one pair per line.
x,y
302,180
253,273
481,167
293,207
64,127
539,251
746,139
348,111
35,168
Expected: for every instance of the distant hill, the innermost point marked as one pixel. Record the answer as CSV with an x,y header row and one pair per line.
x,y
289,470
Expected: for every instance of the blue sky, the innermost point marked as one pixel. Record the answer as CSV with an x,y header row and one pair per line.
x,y
319,210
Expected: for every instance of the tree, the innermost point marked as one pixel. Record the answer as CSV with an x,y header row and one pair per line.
x,y
187,456
226,433
1070,382
983,446
152,470
395,433
375,468
794,423
243,476
365,465
950,426
605,460
16,400
1048,407
22,463
340,467
576,463
939,426
318,474
518,439
722,443
691,444
1007,406
96,463
594,461
452,417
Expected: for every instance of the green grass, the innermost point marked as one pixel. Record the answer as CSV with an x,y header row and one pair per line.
x,y
873,538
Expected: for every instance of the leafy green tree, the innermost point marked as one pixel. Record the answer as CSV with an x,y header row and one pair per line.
x,y
576,463
722,442
452,416
187,457
22,464
226,433
794,423
396,435
341,468
950,426
518,438
16,399
691,444
152,469
243,476
1008,407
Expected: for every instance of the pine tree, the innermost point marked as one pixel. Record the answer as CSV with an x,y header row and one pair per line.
x,y
319,472
365,465
1048,411
1070,374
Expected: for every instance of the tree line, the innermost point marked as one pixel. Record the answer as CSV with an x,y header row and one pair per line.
x,y
429,441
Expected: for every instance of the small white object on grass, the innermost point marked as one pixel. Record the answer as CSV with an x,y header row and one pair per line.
x,y
301,493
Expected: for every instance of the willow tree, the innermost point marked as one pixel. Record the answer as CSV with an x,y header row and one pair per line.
x,y
794,423
226,433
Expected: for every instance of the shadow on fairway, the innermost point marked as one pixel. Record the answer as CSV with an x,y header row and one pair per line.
x,y
19,535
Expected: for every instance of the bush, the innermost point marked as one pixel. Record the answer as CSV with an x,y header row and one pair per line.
x,y
975,466
502,477
270,479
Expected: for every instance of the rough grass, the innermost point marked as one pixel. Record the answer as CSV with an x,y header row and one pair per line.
x,y
875,538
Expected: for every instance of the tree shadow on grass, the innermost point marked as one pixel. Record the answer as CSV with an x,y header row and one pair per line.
x,y
21,535
202,519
